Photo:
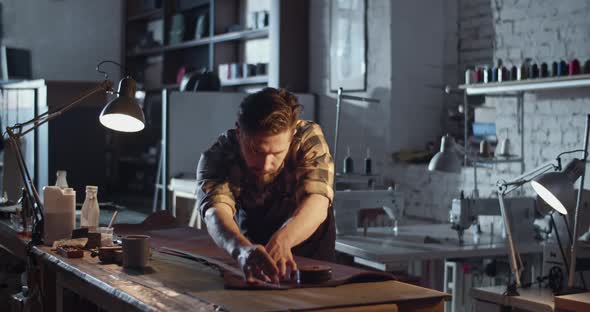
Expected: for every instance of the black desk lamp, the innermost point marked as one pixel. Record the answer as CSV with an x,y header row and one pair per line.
x,y
120,114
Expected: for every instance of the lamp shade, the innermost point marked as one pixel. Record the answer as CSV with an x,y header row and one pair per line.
x,y
557,188
123,113
446,160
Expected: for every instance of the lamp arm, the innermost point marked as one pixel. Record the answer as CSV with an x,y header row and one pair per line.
x,y
30,190
506,187
15,133
106,85
572,271
516,264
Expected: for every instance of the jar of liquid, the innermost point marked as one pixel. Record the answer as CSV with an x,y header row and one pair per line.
x,y
59,213
90,210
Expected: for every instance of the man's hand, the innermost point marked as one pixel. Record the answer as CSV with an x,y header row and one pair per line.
x,y
257,265
280,252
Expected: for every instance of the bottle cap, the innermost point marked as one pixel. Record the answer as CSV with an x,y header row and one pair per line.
x,y
91,188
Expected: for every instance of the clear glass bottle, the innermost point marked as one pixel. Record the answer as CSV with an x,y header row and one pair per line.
x,y
90,209
61,179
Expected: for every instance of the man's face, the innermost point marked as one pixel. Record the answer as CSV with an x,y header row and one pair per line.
x,y
264,154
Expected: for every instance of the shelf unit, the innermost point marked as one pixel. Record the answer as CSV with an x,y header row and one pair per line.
x,y
517,89
155,64
527,85
236,35
146,15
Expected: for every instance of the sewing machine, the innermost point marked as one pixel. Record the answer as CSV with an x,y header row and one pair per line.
x,y
465,211
348,205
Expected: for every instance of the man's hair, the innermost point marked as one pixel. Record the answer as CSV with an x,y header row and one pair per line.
x,y
270,111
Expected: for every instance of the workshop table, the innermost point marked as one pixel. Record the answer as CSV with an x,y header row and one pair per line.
x,y
428,245
573,302
176,284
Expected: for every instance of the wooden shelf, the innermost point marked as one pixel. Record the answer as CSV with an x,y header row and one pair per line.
x,y
242,35
196,5
527,85
165,86
146,15
498,160
146,52
187,44
233,36
245,81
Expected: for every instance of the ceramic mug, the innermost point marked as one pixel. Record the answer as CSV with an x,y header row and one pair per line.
x,y
136,251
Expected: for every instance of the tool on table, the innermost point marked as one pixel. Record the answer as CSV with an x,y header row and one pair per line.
x,y
314,274
115,214
113,254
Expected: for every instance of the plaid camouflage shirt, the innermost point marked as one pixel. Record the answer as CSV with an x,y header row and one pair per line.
x,y
222,178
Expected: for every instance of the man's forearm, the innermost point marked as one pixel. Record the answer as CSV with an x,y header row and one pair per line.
x,y
224,231
312,211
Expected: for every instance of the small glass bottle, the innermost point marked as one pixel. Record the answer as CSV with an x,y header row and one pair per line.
x,y
368,163
61,179
90,209
348,163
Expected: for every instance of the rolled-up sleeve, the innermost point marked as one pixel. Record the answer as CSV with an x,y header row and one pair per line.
x,y
315,168
213,186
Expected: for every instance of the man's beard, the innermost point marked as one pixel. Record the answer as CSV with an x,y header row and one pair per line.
x,y
266,178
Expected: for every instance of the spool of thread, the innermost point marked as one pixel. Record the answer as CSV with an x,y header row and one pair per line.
x,y
534,72
523,71
574,67
503,74
479,75
470,76
484,148
495,74
487,75
544,70
504,147
513,73
554,69
563,68
314,274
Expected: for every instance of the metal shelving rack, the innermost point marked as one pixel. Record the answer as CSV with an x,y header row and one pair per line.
x,y
515,89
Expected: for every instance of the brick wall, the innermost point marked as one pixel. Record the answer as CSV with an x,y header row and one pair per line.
x,y
553,120
476,33
411,56
409,63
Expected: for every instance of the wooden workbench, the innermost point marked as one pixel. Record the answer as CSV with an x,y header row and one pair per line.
x,y
532,299
574,302
176,284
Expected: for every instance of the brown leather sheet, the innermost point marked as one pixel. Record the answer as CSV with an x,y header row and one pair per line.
x,y
196,245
